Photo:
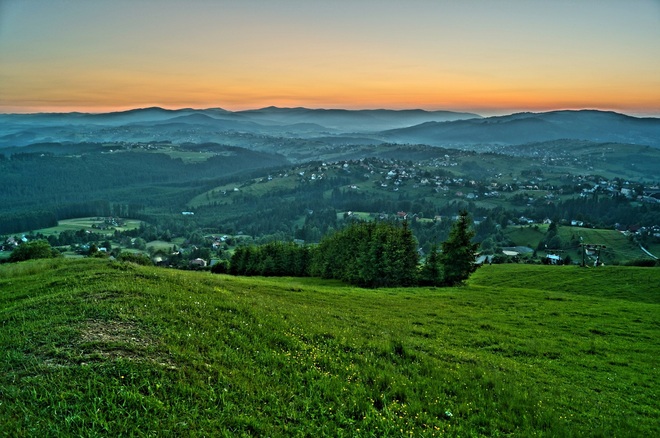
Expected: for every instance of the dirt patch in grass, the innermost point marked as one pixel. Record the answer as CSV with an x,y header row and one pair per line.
x,y
101,339
106,332
107,340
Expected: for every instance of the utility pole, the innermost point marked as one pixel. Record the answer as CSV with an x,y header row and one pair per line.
x,y
591,247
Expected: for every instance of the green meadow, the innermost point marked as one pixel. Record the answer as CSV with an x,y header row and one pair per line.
x,y
88,224
618,247
97,348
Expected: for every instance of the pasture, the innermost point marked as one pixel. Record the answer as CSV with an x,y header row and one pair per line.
x,y
98,348
92,224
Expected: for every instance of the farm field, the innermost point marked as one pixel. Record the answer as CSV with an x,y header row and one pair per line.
x,y
618,246
87,224
93,347
160,245
254,187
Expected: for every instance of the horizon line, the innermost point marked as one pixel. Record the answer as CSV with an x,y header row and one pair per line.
x,y
483,112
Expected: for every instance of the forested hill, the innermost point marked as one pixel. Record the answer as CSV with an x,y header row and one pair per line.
x,y
190,125
39,188
597,126
438,128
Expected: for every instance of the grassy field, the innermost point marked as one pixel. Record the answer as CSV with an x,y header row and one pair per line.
x,y
188,156
85,223
160,245
98,348
618,247
255,187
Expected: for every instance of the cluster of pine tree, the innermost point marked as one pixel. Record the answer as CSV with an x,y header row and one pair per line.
x,y
367,254
279,259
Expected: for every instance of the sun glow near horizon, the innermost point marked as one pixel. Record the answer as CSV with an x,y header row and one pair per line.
x,y
488,57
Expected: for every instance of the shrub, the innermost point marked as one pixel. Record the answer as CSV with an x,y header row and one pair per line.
x,y
138,259
222,267
37,249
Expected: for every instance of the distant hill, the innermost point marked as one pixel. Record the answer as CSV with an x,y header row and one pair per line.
x,y
591,125
329,126
154,124
354,120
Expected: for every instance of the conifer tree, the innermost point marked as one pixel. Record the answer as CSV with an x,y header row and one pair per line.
x,y
458,252
431,272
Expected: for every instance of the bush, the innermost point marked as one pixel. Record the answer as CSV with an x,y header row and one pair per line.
x,y
138,259
222,267
37,249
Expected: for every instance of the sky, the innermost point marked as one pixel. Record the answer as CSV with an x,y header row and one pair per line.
x,y
484,56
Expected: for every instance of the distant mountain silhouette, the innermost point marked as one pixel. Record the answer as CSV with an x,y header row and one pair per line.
x,y
354,120
330,126
592,125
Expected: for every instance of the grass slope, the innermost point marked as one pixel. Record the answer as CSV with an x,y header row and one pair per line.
x,y
618,246
97,348
86,224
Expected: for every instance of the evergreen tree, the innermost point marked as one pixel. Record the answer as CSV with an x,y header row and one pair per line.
x,y
371,254
237,262
458,252
551,240
401,257
431,272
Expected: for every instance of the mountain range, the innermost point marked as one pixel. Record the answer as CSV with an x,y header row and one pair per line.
x,y
591,125
331,126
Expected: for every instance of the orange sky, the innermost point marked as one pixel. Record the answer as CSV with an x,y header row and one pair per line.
x,y
484,56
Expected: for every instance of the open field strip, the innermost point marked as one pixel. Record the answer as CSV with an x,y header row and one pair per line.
x,y
84,223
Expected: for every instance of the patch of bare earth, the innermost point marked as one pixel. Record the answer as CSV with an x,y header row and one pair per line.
x,y
120,339
101,340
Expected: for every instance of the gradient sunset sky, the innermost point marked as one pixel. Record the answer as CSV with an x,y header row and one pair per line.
x,y
486,56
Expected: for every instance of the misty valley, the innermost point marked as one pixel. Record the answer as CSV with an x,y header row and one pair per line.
x,y
203,182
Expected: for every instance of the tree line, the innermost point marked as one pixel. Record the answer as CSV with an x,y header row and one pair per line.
x,y
366,254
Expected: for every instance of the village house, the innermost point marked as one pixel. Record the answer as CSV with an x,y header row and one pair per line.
x,y
198,263
553,259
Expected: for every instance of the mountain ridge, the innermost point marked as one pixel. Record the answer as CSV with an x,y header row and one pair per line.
x,y
519,128
435,128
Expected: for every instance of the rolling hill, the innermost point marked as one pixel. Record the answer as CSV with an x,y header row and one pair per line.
x,y
205,124
93,347
328,127
596,126
354,120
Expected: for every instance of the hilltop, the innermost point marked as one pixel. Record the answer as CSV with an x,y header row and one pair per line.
x,y
92,347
